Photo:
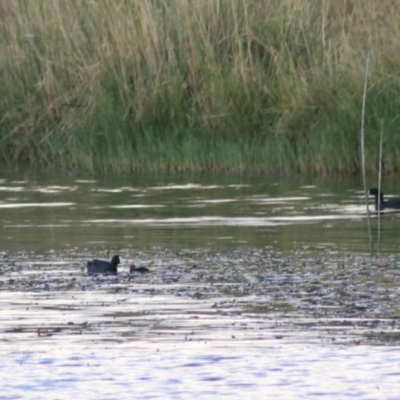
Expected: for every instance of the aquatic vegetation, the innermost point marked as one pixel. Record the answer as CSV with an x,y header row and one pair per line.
x,y
193,86
306,294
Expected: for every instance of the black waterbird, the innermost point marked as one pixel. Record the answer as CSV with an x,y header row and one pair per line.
x,y
393,204
139,270
103,267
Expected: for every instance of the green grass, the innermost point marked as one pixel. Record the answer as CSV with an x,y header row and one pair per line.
x,y
226,85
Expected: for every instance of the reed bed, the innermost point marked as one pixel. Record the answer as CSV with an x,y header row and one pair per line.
x,y
183,85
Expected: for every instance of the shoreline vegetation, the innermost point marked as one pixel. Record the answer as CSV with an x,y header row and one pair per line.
x,y
254,86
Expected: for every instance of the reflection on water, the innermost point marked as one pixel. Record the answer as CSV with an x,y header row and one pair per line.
x,y
58,213
201,370
241,323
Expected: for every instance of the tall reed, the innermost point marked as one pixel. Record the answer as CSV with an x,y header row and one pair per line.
x,y
227,85
380,181
362,138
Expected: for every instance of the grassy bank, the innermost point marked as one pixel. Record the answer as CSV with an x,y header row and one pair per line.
x,y
225,85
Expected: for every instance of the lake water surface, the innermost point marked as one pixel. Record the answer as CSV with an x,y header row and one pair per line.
x,y
259,287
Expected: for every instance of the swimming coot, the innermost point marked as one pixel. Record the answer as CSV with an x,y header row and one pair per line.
x,y
384,204
103,267
138,270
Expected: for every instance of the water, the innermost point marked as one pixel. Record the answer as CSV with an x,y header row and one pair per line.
x,y
62,212
200,370
259,287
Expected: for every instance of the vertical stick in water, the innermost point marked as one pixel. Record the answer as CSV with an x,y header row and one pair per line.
x,y
379,183
362,136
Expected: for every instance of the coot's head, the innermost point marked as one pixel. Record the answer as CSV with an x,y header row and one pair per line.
x,y
115,261
374,192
